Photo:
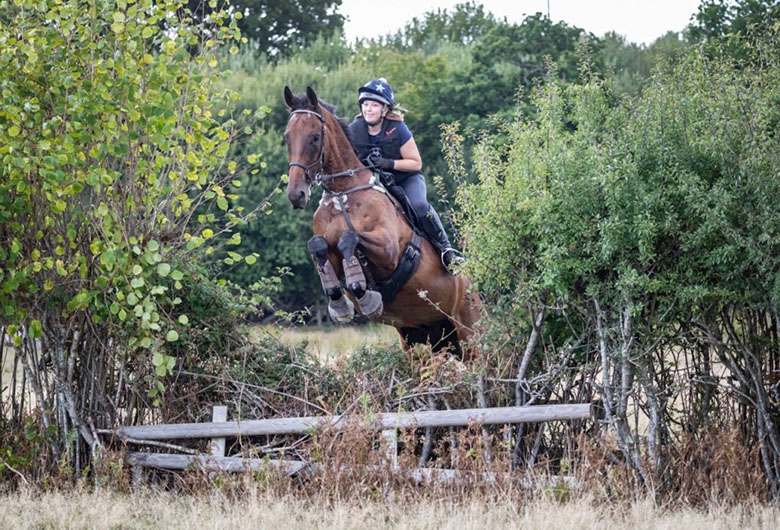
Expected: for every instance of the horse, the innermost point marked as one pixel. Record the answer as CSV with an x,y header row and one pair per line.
x,y
362,238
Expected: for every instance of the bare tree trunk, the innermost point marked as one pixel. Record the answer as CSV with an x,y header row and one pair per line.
x,y
521,382
617,422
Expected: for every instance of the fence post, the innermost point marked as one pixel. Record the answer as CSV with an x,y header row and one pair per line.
x,y
391,446
219,414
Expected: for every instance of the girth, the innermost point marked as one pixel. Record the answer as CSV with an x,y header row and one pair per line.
x,y
406,268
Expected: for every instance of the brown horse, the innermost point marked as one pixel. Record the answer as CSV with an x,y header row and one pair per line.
x,y
362,238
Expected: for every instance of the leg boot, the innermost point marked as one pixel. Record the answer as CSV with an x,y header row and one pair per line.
x,y
431,224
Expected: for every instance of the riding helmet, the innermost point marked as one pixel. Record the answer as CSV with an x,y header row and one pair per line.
x,y
377,90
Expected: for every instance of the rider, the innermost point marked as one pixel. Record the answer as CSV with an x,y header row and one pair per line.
x,y
383,140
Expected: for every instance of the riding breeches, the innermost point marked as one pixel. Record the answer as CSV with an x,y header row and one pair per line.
x,y
417,193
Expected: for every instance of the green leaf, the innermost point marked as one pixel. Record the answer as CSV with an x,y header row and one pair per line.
x,y
183,319
36,329
163,269
177,275
157,358
172,336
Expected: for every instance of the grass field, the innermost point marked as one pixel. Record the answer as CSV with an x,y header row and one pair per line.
x,y
264,510
330,344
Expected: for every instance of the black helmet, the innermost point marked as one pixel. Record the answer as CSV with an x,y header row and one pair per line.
x,y
377,90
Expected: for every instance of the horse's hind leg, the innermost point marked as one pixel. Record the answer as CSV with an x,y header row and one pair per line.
x,y
340,307
370,302
467,317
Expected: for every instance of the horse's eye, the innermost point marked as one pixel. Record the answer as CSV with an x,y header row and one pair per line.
x,y
315,138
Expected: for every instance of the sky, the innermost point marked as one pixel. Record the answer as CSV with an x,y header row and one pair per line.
x,y
640,21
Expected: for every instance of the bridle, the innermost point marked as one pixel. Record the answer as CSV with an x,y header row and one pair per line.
x,y
319,178
320,159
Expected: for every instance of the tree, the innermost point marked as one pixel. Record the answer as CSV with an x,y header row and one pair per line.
x,y
639,239
115,192
276,28
463,25
715,19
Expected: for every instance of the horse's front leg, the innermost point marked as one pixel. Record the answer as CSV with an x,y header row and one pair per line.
x,y
370,301
340,308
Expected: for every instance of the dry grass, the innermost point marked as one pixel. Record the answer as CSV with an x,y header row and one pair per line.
x,y
266,510
331,344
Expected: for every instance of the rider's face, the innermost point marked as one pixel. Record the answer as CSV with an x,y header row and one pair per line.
x,y
372,110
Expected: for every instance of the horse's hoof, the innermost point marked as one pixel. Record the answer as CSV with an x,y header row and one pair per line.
x,y
371,304
341,310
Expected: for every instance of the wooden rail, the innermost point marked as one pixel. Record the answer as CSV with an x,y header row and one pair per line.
x,y
380,422
388,423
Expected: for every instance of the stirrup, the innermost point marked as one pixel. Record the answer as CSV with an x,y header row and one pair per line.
x,y
451,257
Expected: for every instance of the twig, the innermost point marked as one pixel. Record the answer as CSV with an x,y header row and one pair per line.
x,y
6,464
138,441
263,388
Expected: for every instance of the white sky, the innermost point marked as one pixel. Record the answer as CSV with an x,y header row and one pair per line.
x,y
640,21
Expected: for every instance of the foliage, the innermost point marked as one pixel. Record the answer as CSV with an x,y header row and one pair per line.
x,y
716,19
115,183
465,24
276,28
630,228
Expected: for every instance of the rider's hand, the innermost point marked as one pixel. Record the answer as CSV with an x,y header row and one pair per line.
x,y
381,163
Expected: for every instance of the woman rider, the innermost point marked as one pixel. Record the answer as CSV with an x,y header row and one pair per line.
x,y
383,140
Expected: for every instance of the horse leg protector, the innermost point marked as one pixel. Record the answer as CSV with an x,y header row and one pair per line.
x,y
353,271
318,248
371,304
341,310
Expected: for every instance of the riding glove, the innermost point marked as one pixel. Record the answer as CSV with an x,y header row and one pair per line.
x,y
381,163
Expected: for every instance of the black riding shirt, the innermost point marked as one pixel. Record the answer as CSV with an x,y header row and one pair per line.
x,y
388,142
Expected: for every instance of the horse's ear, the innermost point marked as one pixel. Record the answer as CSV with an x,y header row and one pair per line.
x,y
313,101
289,98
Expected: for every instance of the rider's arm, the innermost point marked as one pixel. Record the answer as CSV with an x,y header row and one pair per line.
x,y
410,158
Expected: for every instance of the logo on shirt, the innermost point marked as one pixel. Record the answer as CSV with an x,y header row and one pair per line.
x,y
388,133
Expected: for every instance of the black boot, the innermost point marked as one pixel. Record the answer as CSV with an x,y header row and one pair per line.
x,y
433,228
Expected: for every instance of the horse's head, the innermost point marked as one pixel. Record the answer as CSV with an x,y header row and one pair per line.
x,y
305,137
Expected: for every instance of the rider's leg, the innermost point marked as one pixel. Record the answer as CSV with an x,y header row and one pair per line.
x,y
429,220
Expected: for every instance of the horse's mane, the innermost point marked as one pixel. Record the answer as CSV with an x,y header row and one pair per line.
x,y
303,103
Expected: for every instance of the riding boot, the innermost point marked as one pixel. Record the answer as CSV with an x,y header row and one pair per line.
x,y
431,224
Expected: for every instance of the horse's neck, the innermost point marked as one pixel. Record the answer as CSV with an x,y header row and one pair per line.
x,y
341,157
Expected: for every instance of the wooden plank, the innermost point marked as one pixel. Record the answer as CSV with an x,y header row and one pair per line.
x,y
453,476
303,425
219,414
291,467
212,463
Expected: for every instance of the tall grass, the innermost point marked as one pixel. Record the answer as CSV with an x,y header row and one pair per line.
x,y
264,509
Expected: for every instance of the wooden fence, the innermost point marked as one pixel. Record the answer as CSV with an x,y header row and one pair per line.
x,y
387,423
